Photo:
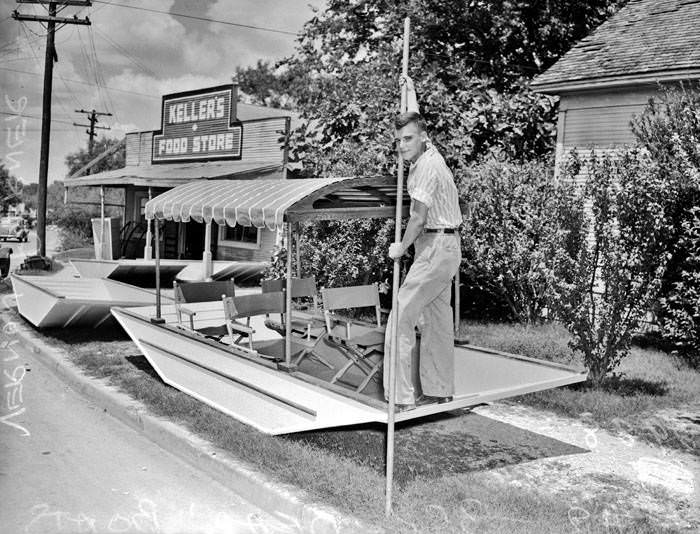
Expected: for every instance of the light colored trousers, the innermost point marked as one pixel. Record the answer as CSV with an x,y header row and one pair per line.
x,y
424,301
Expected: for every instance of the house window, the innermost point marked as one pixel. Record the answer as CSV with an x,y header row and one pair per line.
x,y
239,236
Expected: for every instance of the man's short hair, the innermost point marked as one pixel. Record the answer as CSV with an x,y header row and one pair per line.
x,y
402,119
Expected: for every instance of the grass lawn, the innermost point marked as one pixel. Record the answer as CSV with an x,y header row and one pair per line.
x,y
443,478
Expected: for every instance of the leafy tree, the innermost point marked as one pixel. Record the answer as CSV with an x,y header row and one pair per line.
x,y
471,62
28,195
618,271
74,220
267,85
76,160
10,188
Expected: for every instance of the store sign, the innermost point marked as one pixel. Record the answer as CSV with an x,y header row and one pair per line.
x,y
198,125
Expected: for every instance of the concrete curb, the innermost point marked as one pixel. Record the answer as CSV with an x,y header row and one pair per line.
x,y
284,501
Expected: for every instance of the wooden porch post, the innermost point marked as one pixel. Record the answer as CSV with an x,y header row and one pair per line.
x,y
148,249
296,247
206,256
102,223
157,231
288,304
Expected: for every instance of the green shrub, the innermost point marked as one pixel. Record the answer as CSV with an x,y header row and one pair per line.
x,y
680,317
74,226
669,128
342,253
521,235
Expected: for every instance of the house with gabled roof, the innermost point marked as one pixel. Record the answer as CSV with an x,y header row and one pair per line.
x,y
609,76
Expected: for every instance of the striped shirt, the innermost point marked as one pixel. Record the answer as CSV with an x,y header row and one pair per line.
x,y
430,181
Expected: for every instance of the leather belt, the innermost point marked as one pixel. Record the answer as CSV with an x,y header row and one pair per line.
x,y
440,230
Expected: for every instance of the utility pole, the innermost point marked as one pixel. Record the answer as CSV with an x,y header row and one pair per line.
x,y
92,117
50,57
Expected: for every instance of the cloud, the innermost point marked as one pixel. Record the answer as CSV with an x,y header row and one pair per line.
x,y
127,59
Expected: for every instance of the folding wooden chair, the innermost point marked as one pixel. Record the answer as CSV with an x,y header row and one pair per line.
x,y
307,324
356,339
247,306
201,292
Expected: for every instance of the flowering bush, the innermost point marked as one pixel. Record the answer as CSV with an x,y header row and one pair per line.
x,y
618,271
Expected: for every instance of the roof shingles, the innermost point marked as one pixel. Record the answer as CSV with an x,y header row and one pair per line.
x,y
644,37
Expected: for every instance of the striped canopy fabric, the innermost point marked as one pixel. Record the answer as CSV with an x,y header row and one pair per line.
x,y
260,203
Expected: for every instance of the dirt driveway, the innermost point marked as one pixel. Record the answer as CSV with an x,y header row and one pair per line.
x,y
661,482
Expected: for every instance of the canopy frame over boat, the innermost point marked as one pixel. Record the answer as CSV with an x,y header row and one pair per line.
x,y
270,203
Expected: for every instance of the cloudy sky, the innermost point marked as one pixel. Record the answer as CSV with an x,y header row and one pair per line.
x,y
124,62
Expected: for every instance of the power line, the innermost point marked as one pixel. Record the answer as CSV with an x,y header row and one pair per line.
x,y
203,19
36,117
99,76
80,82
126,54
36,60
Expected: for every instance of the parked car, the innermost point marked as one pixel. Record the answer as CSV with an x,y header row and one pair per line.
x,y
13,228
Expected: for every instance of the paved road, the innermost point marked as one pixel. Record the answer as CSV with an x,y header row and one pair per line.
x,y
65,466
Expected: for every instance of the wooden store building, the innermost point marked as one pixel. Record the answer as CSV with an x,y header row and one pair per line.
x,y
204,135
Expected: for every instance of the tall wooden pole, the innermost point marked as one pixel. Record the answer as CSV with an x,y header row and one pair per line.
x,y
45,132
49,59
395,297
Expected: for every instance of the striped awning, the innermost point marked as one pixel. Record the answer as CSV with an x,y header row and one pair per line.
x,y
270,202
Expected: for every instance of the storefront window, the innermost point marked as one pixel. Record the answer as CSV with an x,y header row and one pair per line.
x,y
240,236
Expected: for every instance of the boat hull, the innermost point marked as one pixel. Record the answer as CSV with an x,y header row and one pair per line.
x,y
49,302
254,391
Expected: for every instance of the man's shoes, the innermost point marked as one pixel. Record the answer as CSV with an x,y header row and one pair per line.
x,y
430,399
404,407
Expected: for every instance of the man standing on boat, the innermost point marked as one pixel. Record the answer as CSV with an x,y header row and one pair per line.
x,y
424,296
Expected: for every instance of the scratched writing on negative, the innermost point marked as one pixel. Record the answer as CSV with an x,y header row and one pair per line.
x,y
16,130
145,517
13,374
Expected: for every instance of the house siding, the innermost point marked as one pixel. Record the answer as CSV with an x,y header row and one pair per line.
x,y
599,120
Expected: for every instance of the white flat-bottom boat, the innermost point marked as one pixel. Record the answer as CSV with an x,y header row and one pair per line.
x,y
55,301
248,385
142,272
